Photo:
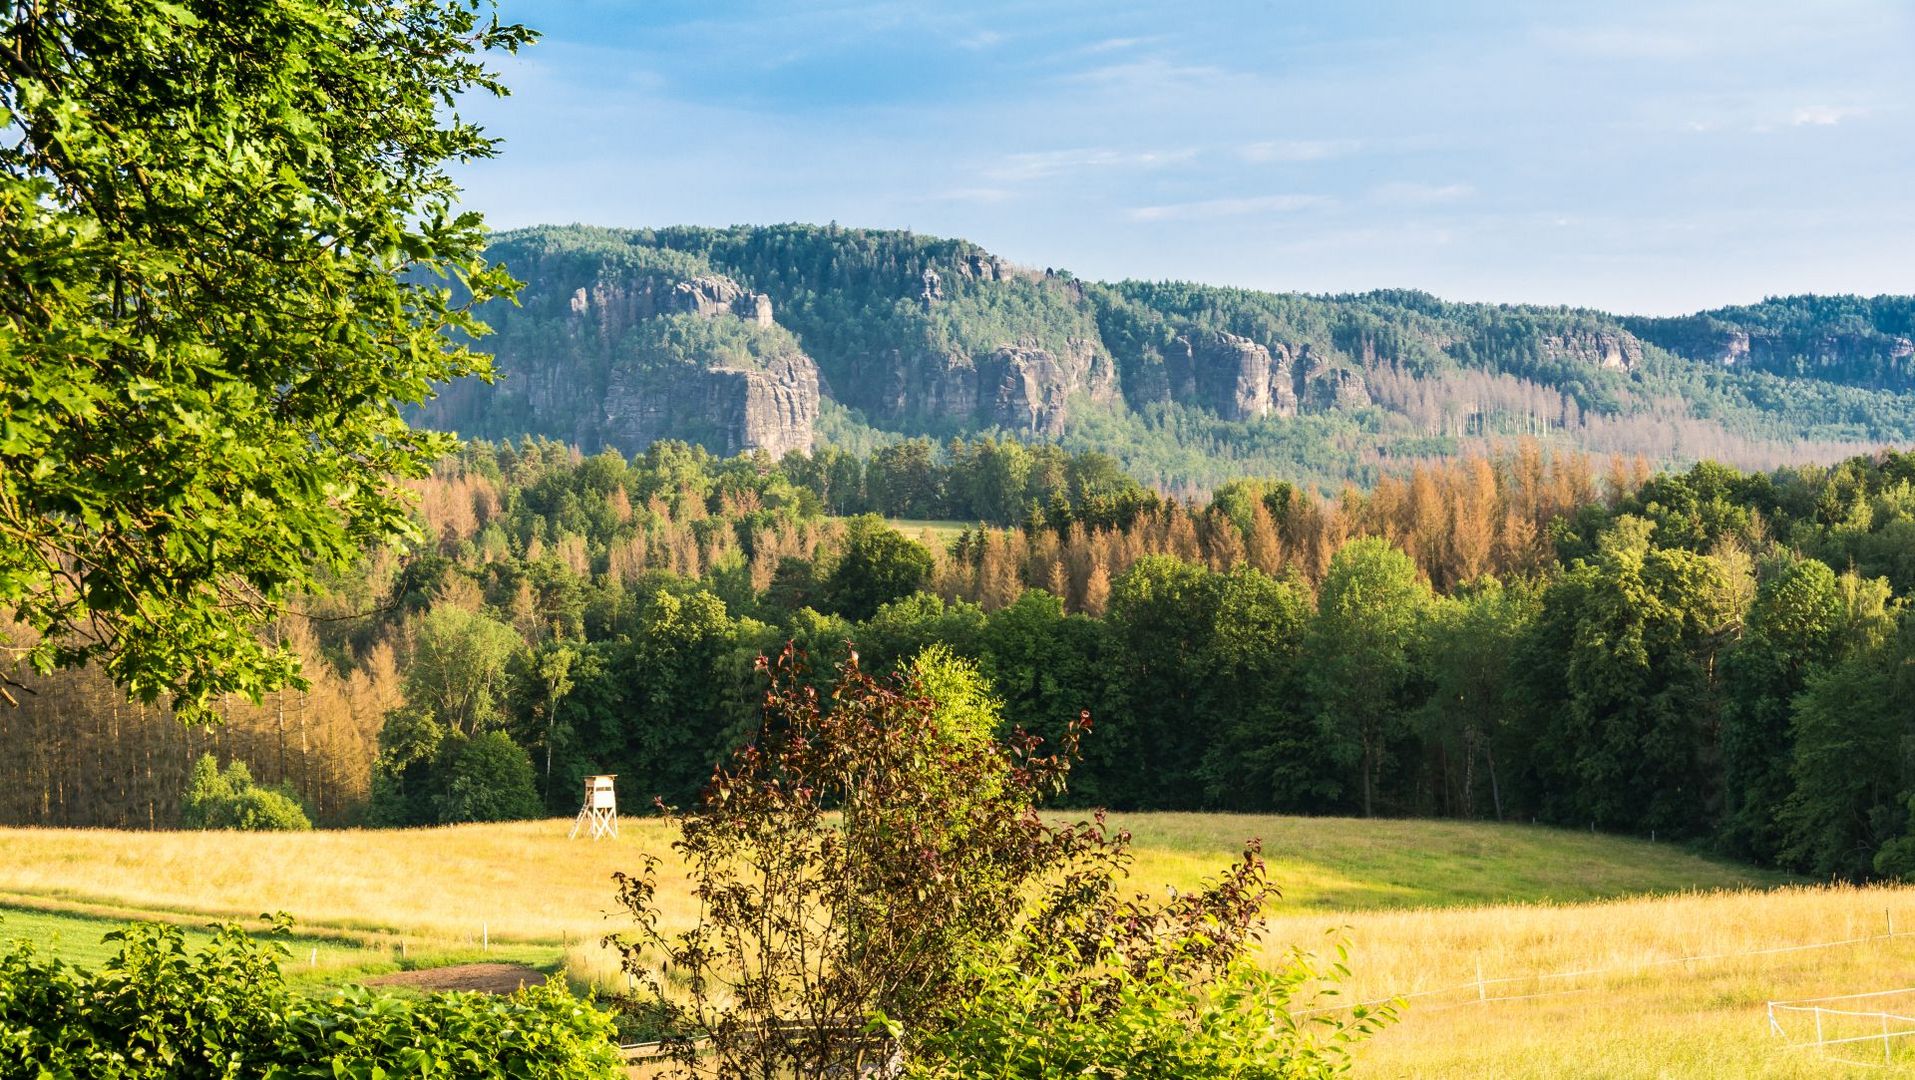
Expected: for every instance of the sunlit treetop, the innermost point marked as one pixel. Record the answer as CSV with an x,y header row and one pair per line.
x,y
230,256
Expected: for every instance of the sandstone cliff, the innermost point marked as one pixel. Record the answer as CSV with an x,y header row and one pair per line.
x,y
1616,350
735,337
614,346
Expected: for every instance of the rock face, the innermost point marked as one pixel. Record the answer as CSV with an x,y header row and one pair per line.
x,y
729,410
1855,355
598,388
1018,385
1616,350
1240,379
1025,388
615,306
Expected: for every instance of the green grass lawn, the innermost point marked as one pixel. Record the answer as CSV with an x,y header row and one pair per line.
x,y
1349,864
78,939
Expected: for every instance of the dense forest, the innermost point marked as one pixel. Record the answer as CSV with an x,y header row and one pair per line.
x,y
782,337
1710,655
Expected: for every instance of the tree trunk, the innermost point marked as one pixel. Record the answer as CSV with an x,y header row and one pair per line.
x,y
1495,793
1369,777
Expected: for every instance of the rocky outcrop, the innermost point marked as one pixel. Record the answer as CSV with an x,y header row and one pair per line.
x,y
1019,385
614,397
727,409
1232,376
615,305
1860,356
1240,379
1028,389
1617,350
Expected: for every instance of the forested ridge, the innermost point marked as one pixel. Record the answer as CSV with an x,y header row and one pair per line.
x,y
1187,385
1707,654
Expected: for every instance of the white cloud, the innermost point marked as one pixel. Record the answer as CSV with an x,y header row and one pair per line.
x,y
1221,208
1406,193
1048,163
1115,44
983,39
1298,150
1822,115
1157,76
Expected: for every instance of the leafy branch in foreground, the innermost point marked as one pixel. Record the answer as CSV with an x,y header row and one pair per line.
x,y
879,892
157,1011
229,253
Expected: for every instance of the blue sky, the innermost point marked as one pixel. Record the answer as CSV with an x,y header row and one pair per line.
x,y
1640,157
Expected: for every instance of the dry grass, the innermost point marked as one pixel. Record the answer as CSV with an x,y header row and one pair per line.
x,y
521,882
1412,896
525,881
1645,1012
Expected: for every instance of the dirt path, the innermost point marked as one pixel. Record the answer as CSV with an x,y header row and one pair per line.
x,y
485,978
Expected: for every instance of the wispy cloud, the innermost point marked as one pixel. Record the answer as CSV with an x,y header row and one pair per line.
x,y
1823,115
1298,150
1115,44
1048,163
1224,208
1626,43
974,195
1155,75
1409,193
983,39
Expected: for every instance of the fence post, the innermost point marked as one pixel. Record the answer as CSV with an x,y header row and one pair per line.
x,y
1886,1060
1482,993
1773,1024
1818,1025
485,937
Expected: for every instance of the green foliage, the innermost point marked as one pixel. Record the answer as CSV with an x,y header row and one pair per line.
x,y
1363,654
967,712
458,673
1021,1024
693,339
486,777
402,776
157,1011
876,883
1851,769
427,774
877,566
230,800
224,230
1468,640
1633,639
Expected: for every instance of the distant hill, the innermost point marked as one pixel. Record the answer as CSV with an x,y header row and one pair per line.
x,y
780,337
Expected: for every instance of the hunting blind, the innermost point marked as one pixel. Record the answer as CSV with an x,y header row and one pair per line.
x,y
599,816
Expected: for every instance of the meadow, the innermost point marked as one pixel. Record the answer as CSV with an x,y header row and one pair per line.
x,y
1424,908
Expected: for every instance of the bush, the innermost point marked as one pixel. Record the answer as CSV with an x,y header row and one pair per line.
x,y
487,777
1056,1020
156,1012
876,882
230,800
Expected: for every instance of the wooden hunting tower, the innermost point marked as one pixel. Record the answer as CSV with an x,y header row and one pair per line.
x,y
599,816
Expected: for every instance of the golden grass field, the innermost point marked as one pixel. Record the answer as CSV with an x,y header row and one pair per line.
x,y
1423,907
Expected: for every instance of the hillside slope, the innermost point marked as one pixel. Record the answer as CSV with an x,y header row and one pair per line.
x,y
775,337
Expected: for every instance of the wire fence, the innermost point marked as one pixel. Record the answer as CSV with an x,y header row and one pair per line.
x,y
1848,1031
